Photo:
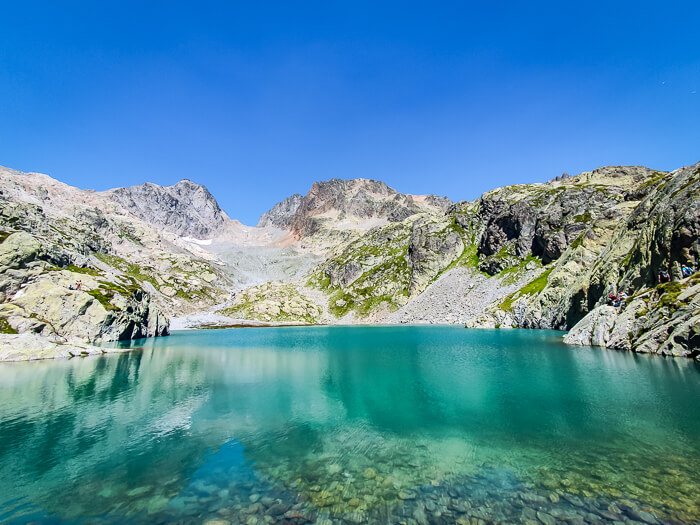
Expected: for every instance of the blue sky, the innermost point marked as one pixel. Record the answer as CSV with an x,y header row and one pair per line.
x,y
257,100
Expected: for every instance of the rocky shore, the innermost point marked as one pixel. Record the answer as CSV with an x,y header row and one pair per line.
x,y
28,347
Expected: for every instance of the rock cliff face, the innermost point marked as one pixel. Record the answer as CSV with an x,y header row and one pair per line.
x,y
185,209
377,276
643,221
37,281
663,232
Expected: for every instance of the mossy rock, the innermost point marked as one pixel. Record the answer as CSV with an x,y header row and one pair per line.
x,y
5,327
532,288
103,299
86,271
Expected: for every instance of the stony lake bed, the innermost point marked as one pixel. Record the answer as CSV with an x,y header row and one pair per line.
x,y
410,424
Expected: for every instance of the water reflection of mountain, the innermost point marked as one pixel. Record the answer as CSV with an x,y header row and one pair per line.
x,y
102,428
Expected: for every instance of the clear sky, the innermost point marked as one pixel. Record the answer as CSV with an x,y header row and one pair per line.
x,y
256,100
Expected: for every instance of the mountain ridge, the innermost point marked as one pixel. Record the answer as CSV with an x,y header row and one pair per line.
x,y
359,203
184,208
542,255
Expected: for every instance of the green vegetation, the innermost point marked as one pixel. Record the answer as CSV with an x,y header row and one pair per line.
x,y
106,290
129,236
4,235
507,303
512,274
641,312
584,217
87,271
547,194
669,294
5,327
103,299
382,254
532,288
626,259
654,179
469,257
319,280
132,270
182,272
125,290
578,241
348,303
536,285
273,302
683,188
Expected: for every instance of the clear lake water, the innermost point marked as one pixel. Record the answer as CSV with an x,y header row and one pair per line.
x,y
333,425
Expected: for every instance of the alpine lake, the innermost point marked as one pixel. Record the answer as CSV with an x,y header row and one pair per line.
x,y
332,425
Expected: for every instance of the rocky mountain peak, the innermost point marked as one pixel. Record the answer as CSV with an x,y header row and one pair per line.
x,y
185,208
348,204
282,213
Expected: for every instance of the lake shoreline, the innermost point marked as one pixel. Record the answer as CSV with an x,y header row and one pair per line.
x,y
34,347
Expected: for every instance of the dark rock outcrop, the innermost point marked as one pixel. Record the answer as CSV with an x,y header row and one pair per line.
x,y
544,220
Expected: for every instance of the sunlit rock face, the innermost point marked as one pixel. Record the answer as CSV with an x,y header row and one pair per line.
x,y
339,206
71,303
635,223
132,274
186,208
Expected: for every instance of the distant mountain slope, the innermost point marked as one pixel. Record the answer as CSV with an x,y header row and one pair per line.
x,y
282,214
186,208
545,255
347,205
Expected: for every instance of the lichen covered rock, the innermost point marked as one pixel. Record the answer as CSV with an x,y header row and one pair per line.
x,y
274,302
43,299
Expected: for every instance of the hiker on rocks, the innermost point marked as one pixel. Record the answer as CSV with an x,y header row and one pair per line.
x,y
613,300
687,271
620,298
664,277
79,286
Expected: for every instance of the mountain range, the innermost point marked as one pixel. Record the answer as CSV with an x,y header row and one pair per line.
x,y
545,255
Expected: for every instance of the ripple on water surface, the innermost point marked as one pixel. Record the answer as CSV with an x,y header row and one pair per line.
x,y
350,425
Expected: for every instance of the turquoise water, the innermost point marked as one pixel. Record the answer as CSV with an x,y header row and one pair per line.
x,y
349,425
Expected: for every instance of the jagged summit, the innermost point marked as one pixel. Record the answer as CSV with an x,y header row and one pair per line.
x,y
347,204
282,213
185,208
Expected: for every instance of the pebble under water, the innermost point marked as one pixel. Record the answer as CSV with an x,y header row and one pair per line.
x,y
336,425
